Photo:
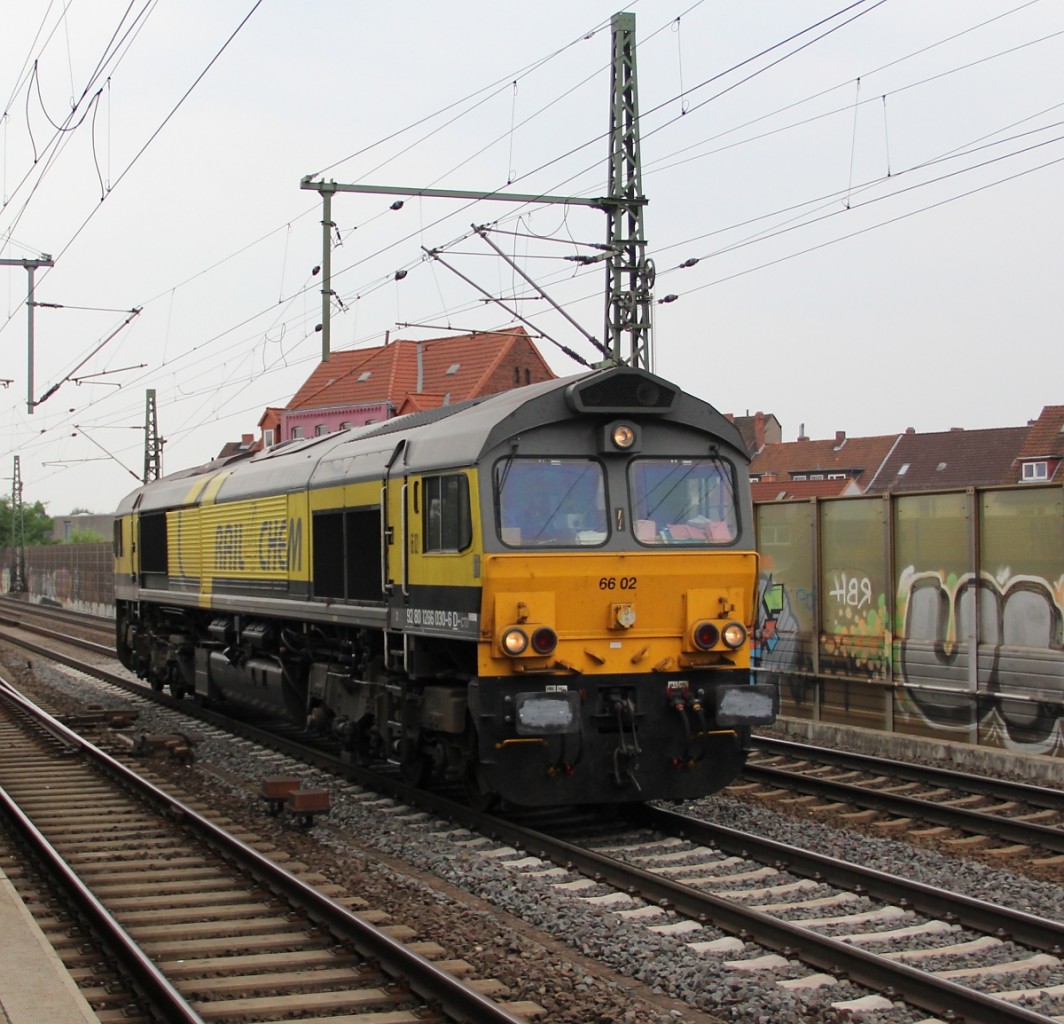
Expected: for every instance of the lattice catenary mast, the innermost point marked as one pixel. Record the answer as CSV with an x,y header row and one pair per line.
x,y
18,533
629,274
153,446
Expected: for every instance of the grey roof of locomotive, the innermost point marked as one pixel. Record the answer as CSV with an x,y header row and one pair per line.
x,y
443,438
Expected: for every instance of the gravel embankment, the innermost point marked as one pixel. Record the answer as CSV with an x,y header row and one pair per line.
x,y
583,963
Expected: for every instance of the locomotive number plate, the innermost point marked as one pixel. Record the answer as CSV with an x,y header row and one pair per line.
x,y
617,582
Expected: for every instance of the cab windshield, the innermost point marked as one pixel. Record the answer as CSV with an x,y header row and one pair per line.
x,y
683,501
550,502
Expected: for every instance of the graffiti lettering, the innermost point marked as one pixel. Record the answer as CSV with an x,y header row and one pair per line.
x,y
853,591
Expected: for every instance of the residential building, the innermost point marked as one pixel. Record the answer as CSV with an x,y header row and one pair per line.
x,y
757,430
1042,455
949,459
247,443
911,461
828,468
361,386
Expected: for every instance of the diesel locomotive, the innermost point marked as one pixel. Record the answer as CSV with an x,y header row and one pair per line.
x,y
546,594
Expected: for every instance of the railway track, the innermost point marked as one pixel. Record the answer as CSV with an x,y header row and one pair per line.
x,y
1002,817
1008,819
757,907
763,907
1014,812
205,926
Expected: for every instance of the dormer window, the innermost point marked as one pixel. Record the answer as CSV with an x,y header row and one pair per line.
x,y
1035,471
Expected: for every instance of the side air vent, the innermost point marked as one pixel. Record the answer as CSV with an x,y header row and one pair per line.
x,y
621,392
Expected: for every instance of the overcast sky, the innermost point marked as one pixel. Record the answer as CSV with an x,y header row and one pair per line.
x,y
873,192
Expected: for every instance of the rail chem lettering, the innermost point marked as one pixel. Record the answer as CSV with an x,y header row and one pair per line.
x,y
229,547
278,545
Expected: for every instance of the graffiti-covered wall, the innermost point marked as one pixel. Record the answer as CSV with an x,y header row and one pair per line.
x,y
938,614
929,614
76,576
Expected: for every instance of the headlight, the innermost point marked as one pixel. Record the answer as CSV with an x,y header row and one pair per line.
x,y
705,636
623,436
734,635
544,640
514,641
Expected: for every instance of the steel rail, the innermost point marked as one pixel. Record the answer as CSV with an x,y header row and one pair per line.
x,y
419,974
165,1001
927,991
1027,929
978,822
937,995
1002,789
57,613
107,650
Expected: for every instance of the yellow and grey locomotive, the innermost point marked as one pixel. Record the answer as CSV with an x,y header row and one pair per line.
x,y
546,593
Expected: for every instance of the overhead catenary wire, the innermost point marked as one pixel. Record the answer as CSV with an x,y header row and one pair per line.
x,y
231,333
857,4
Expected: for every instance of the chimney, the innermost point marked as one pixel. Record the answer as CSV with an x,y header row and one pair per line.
x,y
801,432
759,430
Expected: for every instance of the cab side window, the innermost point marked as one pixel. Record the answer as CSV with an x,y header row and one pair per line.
x,y
448,525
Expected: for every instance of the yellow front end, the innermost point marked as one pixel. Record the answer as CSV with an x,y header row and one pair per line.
x,y
619,614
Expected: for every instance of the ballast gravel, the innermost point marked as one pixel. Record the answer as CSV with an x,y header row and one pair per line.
x,y
578,959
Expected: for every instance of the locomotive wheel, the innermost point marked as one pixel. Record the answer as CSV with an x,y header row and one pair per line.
x,y
477,793
176,683
416,772
364,751
415,766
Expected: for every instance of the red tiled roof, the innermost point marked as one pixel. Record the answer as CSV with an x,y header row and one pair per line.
x,y
857,457
271,417
451,370
419,403
1045,437
757,430
784,490
951,459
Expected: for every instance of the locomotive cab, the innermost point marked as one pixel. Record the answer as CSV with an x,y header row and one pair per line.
x,y
619,583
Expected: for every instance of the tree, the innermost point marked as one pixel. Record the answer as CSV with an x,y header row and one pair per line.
x,y
36,524
86,537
